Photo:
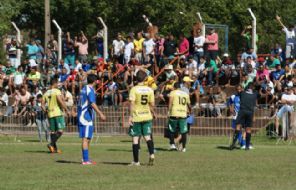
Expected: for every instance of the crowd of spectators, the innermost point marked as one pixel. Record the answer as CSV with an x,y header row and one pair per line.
x,y
205,72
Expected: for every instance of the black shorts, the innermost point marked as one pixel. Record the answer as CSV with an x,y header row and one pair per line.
x,y
245,118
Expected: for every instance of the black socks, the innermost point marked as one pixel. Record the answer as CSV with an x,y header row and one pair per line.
x,y
150,146
248,140
136,152
184,140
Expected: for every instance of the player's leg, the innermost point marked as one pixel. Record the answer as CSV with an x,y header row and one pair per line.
x,y
60,123
86,134
147,129
172,131
136,133
183,130
52,129
235,135
249,122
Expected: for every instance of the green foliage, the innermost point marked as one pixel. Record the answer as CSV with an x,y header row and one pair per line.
x,y
126,16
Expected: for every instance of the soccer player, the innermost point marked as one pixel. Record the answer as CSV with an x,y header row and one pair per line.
x,y
54,100
141,114
86,107
248,99
179,107
234,105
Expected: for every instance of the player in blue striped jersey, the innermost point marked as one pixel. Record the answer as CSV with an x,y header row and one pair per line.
x,y
86,107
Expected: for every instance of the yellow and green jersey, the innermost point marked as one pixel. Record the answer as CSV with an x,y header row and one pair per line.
x,y
179,105
142,96
50,97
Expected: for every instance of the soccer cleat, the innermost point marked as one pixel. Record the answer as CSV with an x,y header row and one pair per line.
x,y
243,147
173,147
184,150
58,151
151,161
50,148
89,163
134,164
251,147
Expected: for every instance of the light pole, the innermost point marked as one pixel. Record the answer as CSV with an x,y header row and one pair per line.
x,y
253,30
18,37
105,36
59,39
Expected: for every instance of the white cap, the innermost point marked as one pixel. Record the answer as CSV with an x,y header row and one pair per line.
x,y
225,55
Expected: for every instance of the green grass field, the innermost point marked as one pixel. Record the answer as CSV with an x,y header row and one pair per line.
x,y
206,165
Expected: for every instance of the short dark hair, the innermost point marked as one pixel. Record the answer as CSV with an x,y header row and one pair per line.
x,y
91,78
177,85
250,86
141,76
54,80
39,96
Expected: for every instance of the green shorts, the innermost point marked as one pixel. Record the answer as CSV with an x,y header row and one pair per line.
x,y
141,129
57,123
178,122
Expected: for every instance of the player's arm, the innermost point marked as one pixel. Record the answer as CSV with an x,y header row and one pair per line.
x,y
151,104
280,21
95,107
130,119
61,102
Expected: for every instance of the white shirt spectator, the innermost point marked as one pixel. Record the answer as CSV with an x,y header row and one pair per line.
x,y
289,97
192,66
149,46
199,41
128,49
290,36
118,47
78,66
18,78
32,63
4,98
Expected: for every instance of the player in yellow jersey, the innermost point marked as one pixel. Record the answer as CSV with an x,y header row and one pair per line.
x,y
141,114
179,107
55,104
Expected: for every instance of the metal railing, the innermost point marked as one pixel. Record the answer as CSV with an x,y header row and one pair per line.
x,y
117,122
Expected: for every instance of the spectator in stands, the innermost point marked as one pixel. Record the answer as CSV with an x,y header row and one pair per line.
x,y
197,90
82,44
138,46
247,35
69,51
121,91
148,51
183,48
211,70
166,89
3,98
246,80
192,66
274,61
169,72
40,55
159,46
11,50
249,53
212,40
33,78
62,65
225,70
18,78
32,50
170,46
110,93
128,50
277,76
220,100
53,48
118,48
262,75
41,119
267,96
290,39
287,100
198,46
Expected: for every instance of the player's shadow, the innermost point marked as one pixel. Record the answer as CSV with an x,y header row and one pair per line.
x,y
116,163
118,150
164,149
224,147
67,162
37,151
31,140
126,141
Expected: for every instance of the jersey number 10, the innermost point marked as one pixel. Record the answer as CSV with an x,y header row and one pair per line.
x,y
182,101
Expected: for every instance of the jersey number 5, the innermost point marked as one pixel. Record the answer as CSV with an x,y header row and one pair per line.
x,y
144,99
